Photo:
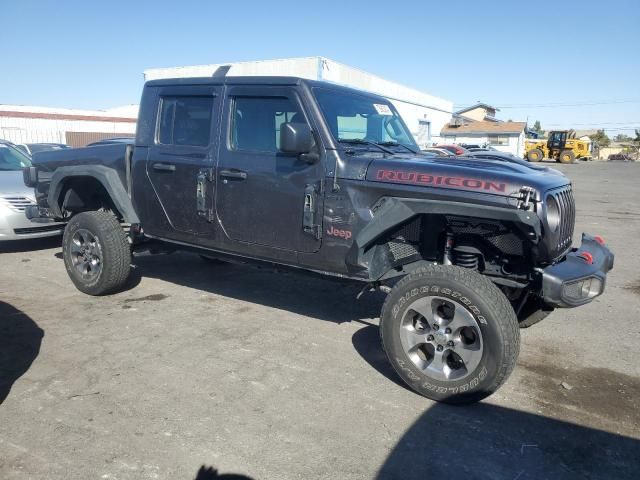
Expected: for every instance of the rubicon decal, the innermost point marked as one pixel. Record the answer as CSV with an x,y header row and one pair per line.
x,y
417,178
334,232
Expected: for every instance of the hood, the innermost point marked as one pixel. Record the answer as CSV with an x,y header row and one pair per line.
x,y
480,175
12,183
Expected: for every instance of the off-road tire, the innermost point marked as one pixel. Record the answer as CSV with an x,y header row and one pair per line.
x,y
567,156
114,249
535,155
489,308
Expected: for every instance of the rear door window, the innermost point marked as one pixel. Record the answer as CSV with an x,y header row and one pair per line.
x,y
185,120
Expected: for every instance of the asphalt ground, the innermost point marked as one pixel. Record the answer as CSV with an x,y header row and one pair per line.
x,y
204,371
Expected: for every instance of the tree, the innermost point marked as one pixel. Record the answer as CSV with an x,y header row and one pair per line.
x,y
538,128
621,137
600,139
637,139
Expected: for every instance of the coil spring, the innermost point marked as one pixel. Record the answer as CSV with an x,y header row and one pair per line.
x,y
466,260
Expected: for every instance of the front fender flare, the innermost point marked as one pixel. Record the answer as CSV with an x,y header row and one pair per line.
x,y
390,212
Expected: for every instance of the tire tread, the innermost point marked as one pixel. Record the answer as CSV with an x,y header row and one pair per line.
x,y
486,289
116,246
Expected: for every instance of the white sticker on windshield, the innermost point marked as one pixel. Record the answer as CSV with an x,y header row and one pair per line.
x,y
382,109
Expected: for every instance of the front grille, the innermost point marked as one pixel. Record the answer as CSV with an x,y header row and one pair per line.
x,y
566,204
46,228
16,203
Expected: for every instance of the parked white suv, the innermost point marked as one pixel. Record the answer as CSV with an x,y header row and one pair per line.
x,y
15,197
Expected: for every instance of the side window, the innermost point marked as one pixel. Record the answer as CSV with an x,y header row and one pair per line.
x,y
498,140
256,122
185,121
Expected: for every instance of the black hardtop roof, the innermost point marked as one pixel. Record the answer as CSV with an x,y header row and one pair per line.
x,y
226,81
253,80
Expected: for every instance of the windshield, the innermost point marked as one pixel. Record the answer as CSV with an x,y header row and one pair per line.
x,y
12,159
354,118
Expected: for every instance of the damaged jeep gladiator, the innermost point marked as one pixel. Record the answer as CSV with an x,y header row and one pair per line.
x,y
289,172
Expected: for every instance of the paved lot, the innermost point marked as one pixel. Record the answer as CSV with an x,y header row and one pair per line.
x,y
282,376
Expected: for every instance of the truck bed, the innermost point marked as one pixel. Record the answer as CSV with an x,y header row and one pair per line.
x,y
116,157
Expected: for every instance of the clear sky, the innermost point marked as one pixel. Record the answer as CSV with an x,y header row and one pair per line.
x,y
537,60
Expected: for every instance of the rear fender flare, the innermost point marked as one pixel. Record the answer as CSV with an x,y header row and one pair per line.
x,y
107,177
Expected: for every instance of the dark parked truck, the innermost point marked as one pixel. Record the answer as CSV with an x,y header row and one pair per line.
x,y
317,177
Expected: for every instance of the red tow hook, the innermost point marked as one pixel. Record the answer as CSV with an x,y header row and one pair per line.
x,y
587,257
599,239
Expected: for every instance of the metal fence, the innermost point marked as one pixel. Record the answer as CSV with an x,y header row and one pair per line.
x,y
24,135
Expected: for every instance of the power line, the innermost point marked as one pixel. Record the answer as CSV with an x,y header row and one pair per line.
x,y
606,129
594,125
555,105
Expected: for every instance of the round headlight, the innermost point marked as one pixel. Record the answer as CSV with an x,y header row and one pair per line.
x,y
553,213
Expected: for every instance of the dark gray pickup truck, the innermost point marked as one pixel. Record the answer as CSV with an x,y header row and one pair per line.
x,y
326,179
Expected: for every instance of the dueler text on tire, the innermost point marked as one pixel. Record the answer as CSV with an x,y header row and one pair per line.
x,y
567,156
96,253
535,155
450,333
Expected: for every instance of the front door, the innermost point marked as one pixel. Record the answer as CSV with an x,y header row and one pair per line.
x,y
261,192
180,163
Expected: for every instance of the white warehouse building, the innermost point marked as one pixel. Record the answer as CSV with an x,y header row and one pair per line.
x,y
424,114
31,124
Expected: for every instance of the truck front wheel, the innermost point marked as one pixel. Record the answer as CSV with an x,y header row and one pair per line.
x,y
96,253
535,155
450,333
567,156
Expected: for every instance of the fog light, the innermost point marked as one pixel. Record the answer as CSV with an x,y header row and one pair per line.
x,y
582,289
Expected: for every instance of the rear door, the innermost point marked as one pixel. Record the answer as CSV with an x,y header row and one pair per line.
x,y
261,191
181,160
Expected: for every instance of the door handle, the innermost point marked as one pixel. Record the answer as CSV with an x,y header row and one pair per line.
x,y
164,167
239,174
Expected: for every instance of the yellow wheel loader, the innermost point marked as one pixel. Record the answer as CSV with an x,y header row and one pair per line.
x,y
561,146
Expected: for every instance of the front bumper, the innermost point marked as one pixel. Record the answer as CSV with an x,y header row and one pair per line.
x,y
580,276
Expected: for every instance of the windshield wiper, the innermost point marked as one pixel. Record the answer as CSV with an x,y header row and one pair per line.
x,y
395,144
359,141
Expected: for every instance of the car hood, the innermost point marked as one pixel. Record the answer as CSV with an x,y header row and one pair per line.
x,y
480,175
12,183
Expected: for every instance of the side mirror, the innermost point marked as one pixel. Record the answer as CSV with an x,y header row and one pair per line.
x,y
296,138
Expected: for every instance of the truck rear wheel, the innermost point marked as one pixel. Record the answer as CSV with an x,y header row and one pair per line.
x,y
450,334
96,253
535,155
567,156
